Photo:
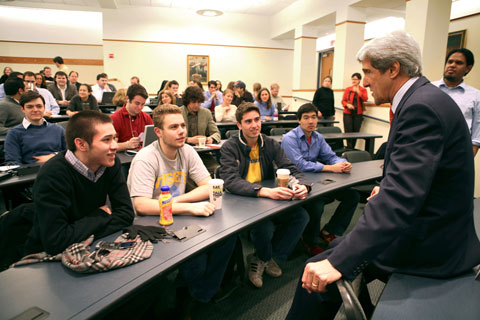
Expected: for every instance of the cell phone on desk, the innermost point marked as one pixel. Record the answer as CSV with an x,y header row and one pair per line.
x,y
115,245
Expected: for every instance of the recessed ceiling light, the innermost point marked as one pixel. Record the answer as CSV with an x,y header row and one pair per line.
x,y
209,13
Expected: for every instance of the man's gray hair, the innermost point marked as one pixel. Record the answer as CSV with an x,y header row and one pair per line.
x,y
398,46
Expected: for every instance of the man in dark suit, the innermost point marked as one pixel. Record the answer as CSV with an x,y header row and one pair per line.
x,y
420,220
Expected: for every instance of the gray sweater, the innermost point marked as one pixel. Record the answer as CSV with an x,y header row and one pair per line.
x,y
10,114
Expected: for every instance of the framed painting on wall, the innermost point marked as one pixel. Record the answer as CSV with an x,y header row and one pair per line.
x,y
198,68
456,40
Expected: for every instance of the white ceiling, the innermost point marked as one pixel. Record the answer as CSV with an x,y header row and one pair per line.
x,y
257,7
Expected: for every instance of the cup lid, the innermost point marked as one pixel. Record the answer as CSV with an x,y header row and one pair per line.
x,y
283,171
215,181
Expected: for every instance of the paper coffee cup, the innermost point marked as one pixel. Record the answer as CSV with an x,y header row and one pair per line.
x,y
283,176
215,191
201,142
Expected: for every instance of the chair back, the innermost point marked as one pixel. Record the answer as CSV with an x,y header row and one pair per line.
x,y
329,130
279,131
357,156
231,133
63,124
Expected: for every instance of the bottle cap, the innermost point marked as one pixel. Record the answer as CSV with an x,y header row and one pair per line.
x,y
165,188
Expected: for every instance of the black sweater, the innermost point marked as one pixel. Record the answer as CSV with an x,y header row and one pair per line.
x,y
67,206
324,101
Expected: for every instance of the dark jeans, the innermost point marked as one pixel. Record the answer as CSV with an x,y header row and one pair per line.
x,y
203,274
341,219
277,237
326,305
352,123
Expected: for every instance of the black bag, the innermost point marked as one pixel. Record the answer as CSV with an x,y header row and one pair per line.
x,y
14,228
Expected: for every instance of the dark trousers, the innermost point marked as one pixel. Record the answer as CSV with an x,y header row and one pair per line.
x,y
203,274
352,123
326,305
341,219
277,237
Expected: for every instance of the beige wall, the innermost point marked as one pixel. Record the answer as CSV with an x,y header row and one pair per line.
x,y
154,62
44,50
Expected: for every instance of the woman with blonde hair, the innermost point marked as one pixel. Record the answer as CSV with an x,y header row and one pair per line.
x,y
226,111
120,98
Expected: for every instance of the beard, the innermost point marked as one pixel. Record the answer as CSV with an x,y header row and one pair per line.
x,y
451,78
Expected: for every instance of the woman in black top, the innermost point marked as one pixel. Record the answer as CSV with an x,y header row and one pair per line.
x,y
323,99
84,100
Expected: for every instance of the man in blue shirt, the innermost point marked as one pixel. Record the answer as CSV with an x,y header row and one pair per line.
x,y
304,146
34,140
213,97
458,64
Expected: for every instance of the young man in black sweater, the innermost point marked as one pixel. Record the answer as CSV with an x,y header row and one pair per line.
x,y
71,189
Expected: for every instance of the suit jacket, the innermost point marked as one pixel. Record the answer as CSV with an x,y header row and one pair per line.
x,y
206,125
70,92
421,221
10,114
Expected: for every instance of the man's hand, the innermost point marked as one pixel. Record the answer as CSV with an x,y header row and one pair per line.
x,y
340,167
44,158
268,118
375,191
300,191
317,275
133,143
350,106
278,193
194,140
209,140
201,209
319,114
47,113
63,103
106,209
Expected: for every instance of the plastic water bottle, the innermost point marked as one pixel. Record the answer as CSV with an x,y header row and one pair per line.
x,y
165,201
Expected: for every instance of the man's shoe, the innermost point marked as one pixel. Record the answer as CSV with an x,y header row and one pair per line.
x,y
327,237
255,271
312,250
272,269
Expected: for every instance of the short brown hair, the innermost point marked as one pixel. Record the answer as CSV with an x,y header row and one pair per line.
x,y
136,90
160,112
82,125
244,108
29,96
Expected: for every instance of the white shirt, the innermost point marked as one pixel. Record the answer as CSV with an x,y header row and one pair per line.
x,y
98,92
401,92
50,102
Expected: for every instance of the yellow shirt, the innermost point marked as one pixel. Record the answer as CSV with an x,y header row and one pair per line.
x,y
254,174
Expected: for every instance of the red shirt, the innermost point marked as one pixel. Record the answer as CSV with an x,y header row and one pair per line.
x,y
127,126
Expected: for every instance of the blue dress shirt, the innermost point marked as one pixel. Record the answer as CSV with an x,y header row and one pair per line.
x,y
264,112
208,99
468,100
306,156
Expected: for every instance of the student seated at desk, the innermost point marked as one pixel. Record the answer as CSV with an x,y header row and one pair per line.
x,y
246,160
264,103
35,139
305,147
83,101
130,120
170,162
71,189
10,112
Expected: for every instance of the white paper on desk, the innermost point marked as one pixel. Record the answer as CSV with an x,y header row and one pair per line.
x,y
6,168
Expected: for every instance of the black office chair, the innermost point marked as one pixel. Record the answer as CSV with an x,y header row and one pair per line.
x,y
288,117
337,146
231,133
360,156
279,131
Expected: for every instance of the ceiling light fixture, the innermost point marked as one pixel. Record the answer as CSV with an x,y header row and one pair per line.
x,y
209,13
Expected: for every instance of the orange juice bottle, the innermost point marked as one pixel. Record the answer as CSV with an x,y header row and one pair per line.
x,y
165,201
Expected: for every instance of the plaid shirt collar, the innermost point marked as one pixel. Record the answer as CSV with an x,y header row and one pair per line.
x,y
83,169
